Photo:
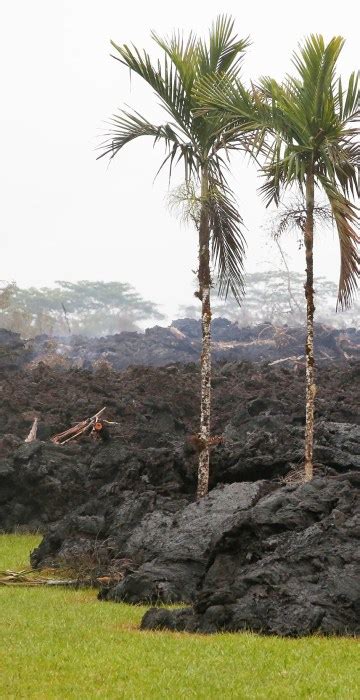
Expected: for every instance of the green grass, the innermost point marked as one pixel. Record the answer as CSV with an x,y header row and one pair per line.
x,y
15,550
64,644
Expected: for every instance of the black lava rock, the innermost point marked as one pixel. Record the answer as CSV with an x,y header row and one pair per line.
x,y
289,565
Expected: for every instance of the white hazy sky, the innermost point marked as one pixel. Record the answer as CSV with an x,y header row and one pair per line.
x,y
65,215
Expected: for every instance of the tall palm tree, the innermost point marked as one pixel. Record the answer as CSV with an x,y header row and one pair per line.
x,y
199,143
307,127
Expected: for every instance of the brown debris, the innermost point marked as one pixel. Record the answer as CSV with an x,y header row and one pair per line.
x,y
84,427
198,443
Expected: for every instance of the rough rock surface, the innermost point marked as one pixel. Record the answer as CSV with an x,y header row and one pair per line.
x,y
180,342
288,565
127,506
259,411
175,550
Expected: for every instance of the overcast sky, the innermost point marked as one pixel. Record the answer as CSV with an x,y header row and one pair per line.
x,y
65,215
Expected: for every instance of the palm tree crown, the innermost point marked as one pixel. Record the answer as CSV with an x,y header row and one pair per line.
x,y
196,140
307,126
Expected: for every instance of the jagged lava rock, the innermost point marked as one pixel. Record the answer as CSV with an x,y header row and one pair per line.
x,y
253,554
289,565
177,548
180,342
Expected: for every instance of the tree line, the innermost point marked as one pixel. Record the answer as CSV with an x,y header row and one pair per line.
x,y
85,308
302,134
277,297
94,309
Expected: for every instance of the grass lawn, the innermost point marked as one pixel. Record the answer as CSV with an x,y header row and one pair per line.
x,y
58,643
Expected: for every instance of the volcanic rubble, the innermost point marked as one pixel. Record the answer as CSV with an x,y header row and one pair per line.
x,y
262,551
180,342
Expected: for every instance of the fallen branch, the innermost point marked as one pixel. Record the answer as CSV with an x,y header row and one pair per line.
x,y
326,356
71,433
287,359
77,430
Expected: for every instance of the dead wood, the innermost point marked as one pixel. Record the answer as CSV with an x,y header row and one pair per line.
x,y
292,358
33,432
30,578
77,430
199,443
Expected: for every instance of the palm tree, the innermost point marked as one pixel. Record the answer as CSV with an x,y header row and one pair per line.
x,y
307,128
200,144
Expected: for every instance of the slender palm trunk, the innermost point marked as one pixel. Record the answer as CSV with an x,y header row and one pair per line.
x,y
204,294
310,308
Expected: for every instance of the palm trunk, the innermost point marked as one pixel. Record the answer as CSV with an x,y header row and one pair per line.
x,y
204,294
310,308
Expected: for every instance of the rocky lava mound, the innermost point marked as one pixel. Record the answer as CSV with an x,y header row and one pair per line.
x,y
287,565
257,552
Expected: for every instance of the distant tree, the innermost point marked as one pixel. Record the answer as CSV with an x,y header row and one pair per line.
x,y
201,145
87,308
268,300
6,292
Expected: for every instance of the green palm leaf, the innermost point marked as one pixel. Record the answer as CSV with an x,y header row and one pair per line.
x,y
346,218
228,242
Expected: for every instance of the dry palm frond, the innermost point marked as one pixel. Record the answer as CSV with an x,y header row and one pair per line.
x,y
291,216
296,475
31,578
185,202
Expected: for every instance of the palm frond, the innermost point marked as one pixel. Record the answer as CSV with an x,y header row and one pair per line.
x,y
350,108
291,216
227,238
182,54
164,80
185,202
316,63
340,161
274,182
224,53
345,215
225,97
185,63
127,126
